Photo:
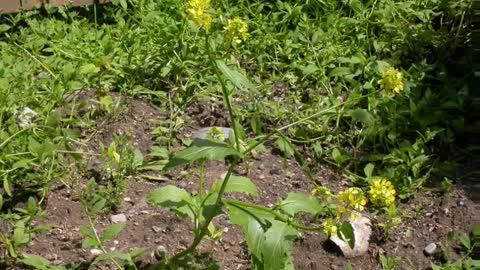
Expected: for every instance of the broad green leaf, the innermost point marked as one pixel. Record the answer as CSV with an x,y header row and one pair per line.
x,y
113,255
4,28
202,149
337,156
98,206
87,231
276,246
137,252
368,170
309,69
90,242
465,240
237,184
113,231
19,235
340,71
38,262
476,230
362,115
296,203
346,233
89,69
174,198
237,78
285,146
253,222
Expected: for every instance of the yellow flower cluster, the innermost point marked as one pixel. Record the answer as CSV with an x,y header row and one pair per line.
x,y
197,11
237,31
392,81
353,197
330,227
382,193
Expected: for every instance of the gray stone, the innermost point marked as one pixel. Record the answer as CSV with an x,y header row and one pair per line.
x,y
430,249
362,231
96,252
120,218
202,133
156,229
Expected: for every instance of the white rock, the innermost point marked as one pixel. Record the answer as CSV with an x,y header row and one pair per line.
x,y
25,117
362,232
120,218
96,252
430,249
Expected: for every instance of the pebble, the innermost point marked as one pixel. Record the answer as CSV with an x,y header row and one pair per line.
x,y
120,218
96,252
156,229
261,177
430,249
460,203
57,262
275,171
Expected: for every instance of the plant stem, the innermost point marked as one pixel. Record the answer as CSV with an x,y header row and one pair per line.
x,y
201,191
204,228
273,213
225,93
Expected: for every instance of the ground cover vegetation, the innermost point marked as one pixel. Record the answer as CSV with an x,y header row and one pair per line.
x,y
378,90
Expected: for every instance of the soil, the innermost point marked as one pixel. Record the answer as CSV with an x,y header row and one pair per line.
x,y
428,217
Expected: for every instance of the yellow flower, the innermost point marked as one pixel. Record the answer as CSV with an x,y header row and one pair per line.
x,y
197,11
392,81
353,197
237,31
330,227
382,193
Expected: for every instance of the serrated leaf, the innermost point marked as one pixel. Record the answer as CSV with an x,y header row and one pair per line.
x,y
346,234
363,116
237,78
276,246
113,255
237,184
173,198
368,170
465,240
89,69
285,146
202,149
113,231
296,203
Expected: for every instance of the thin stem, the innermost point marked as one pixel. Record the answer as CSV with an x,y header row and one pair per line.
x,y
38,61
273,213
201,191
226,96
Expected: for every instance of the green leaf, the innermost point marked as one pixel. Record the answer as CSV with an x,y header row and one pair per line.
x,y
276,246
98,206
113,231
87,231
476,230
285,146
38,262
113,255
340,71
89,69
6,187
202,149
363,116
173,198
237,78
237,184
346,234
1,201
337,156
4,28
368,170
19,236
296,203
137,252
90,242
465,240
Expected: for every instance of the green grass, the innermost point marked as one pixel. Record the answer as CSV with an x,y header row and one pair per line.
x,y
328,55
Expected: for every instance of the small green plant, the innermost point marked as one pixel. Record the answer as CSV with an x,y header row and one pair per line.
x,y
93,204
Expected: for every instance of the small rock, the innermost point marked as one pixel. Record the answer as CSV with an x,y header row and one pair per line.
x,y
120,218
362,232
261,167
127,199
275,171
261,177
51,256
156,229
202,133
430,249
460,203
160,253
96,252
26,117
57,262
